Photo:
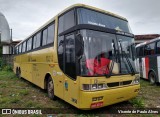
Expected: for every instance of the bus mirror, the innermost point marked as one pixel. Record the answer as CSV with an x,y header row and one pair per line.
x,y
79,45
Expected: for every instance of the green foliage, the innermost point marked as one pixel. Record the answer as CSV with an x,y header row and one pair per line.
x,y
137,102
0,51
4,66
2,63
7,68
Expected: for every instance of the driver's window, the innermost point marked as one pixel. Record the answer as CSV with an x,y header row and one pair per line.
x,y
70,66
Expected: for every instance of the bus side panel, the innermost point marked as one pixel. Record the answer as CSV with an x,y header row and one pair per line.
x,y
143,68
147,66
72,91
153,64
140,67
40,66
26,68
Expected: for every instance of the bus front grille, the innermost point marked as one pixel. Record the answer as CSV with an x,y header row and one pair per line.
x,y
127,82
115,84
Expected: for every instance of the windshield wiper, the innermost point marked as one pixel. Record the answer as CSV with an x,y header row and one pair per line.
x,y
112,64
128,61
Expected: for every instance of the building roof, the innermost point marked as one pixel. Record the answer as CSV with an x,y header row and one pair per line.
x,y
147,36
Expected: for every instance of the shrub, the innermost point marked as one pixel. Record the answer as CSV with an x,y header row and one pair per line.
x,y
2,63
7,68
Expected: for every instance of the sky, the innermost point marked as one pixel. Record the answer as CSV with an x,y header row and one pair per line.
x,y
25,16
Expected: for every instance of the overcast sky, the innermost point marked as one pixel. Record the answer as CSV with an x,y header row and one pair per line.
x,y
25,16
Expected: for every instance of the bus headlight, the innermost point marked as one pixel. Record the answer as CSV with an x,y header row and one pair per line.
x,y
136,80
92,87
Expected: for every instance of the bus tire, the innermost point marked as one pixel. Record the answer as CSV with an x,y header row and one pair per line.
x,y
152,78
19,73
50,88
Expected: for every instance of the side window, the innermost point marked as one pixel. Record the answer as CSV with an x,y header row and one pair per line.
x,y
66,21
20,48
24,47
61,52
70,66
16,51
50,34
44,39
34,42
141,51
38,40
149,49
29,44
158,47
137,51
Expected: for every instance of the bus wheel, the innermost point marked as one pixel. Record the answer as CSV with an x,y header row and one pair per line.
x,y
152,78
50,89
19,73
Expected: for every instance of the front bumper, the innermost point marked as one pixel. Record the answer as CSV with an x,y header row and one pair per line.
x,y
110,96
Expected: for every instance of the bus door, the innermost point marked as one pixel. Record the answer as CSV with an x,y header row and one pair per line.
x,y
70,82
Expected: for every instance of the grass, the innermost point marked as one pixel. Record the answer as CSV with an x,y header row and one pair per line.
x,y
19,93
137,102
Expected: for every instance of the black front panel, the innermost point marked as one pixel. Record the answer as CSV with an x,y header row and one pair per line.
x,y
70,66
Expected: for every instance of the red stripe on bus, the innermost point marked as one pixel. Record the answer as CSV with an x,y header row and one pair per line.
x,y
147,66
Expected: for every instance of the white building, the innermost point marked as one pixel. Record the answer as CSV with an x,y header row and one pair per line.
x,y
5,38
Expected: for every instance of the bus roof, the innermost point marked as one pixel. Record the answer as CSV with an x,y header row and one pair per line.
x,y
65,10
147,42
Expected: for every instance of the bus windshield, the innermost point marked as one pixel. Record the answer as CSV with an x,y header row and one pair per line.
x,y
86,16
103,55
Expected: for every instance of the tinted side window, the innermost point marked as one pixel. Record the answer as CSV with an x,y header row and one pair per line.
x,y
70,66
141,51
38,40
149,49
29,44
34,42
16,50
24,47
44,39
158,47
66,21
50,34
20,48
137,51
61,52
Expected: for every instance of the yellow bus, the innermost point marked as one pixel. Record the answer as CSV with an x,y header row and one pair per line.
x,y
84,55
